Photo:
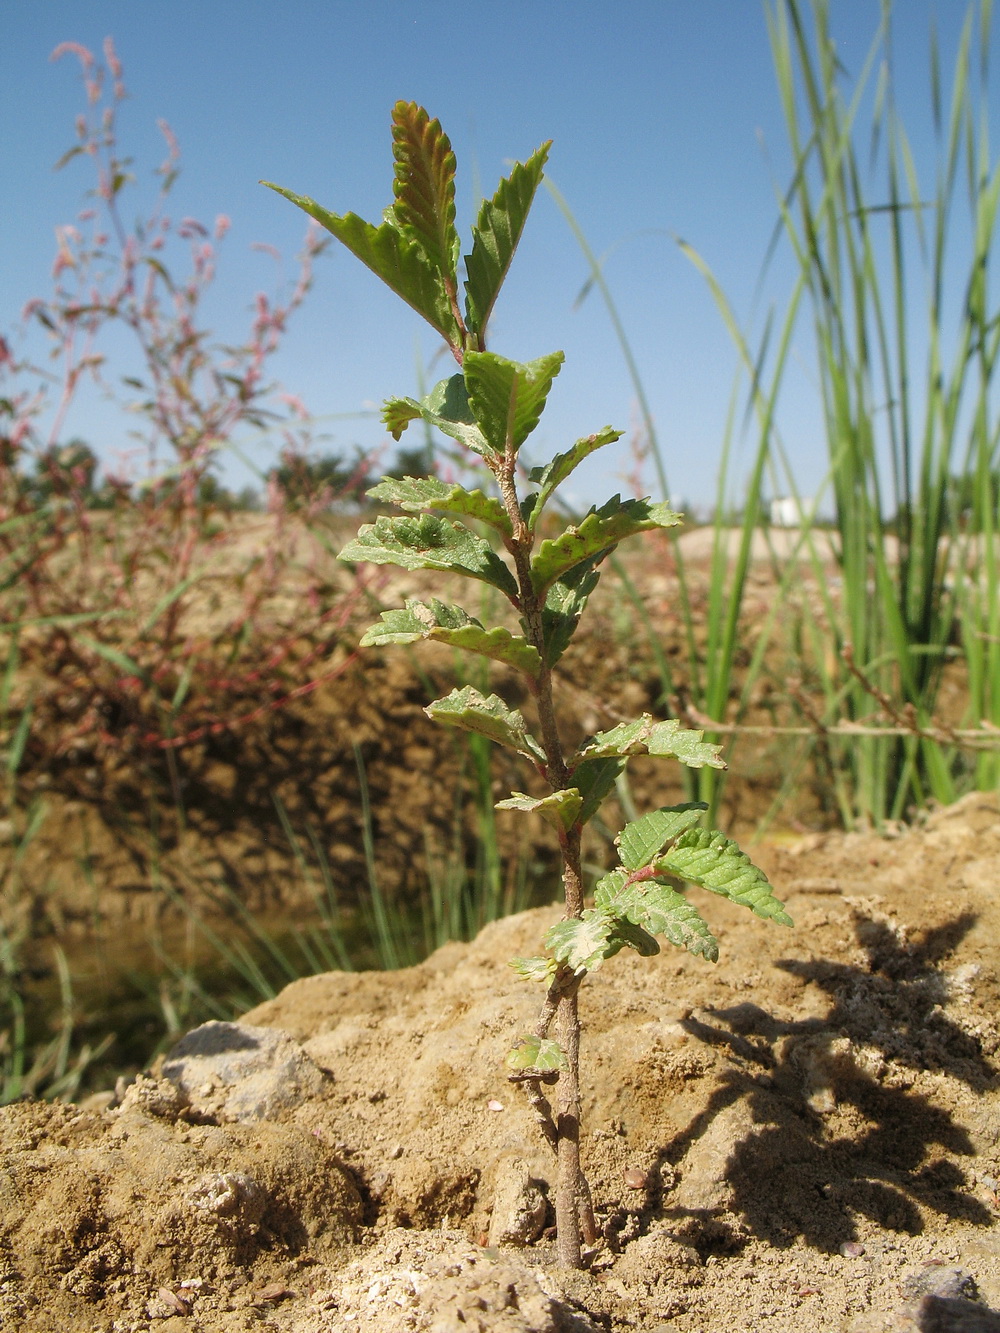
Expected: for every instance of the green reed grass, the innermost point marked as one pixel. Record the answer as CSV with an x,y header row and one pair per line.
x,y
906,348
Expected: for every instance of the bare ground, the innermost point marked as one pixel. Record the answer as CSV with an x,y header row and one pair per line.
x,y
804,1137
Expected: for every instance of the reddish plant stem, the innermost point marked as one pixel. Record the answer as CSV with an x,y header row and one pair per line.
x,y
573,1206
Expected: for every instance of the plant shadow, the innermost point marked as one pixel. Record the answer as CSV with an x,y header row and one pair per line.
x,y
816,1123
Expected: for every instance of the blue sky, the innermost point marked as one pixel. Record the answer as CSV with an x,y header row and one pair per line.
x,y
665,121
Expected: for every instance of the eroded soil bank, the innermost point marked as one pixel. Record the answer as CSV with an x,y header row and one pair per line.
x,y
804,1137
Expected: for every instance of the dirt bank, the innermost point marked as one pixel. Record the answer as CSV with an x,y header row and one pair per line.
x,y
805,1136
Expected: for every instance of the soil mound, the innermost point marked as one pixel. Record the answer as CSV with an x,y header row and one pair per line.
x,y
805,1136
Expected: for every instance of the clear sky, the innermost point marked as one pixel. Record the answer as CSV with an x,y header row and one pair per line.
x,y
665,120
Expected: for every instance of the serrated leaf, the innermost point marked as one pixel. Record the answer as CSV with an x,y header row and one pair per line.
x,y
657,908
489,716
421,493
626,933
508,397
495,236
531,1052
564,604
392,256
446,408
595,779
429,542
656,738
708,858
534,969
641,840
424,186
581,942
555,473
596,535
671,739
560,808
450,624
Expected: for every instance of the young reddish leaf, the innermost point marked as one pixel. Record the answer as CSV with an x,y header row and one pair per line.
x,y
495,236
424,186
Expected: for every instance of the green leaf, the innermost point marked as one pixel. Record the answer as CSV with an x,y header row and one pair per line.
x,y
656,738
508,397
564,604
641,840
708,858
541,1053
447,408
657,908
596,535
560,809
495,236
429,543
424,186
581,942
450,624
595,779
555,473
392,256
489,716
534,969
420,493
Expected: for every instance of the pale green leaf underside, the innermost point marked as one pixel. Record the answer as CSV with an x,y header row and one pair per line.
x,y
391,256
560,809
451,625
397,413
534,969
597,534
495,236
581,942
541,1053
429,542
553,474
712,861
666,739
640,841
584,942
659,909
487,715
508,397
416,494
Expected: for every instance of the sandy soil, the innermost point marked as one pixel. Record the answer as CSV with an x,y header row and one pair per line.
x,y
803,1137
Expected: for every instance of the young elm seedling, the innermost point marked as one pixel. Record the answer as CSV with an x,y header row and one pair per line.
x,y
491,406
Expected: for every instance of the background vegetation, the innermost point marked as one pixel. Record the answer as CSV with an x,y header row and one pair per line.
x,y
154,627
